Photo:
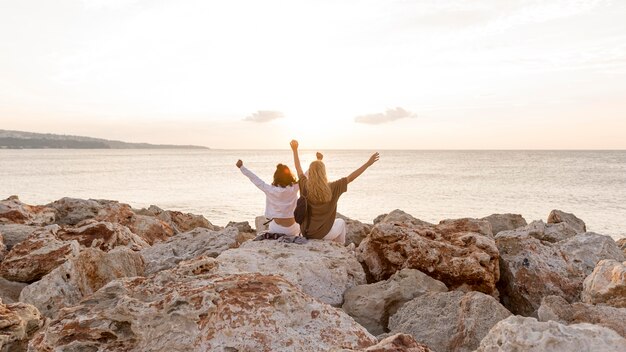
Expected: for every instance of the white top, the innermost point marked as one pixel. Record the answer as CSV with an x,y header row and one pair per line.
x,y
279,202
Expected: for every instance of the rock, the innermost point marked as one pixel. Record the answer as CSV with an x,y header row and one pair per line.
x,y
532,269
242,226
245,232
13,211
462,259
197,242
606,284
399,217
557,216
81,276
3,248
482,227
356,231
505,222
178,221
544,232
372,305
38,255
16,233
10,290
395,343
322,269
558,309
260,224
71,211
527,334
150,229
102,235
190,308
621,243
18,322
449,321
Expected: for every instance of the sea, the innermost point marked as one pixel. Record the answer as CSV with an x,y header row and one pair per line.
x,y
430,185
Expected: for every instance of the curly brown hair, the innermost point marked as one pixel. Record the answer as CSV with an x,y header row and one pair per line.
x,y
283,176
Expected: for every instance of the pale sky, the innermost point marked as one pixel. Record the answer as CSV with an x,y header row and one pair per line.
x,y
413,74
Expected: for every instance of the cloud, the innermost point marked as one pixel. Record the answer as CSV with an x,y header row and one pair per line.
x,y
264,116
388,116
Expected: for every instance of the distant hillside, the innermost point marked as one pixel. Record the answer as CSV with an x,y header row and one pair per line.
x,y
29,140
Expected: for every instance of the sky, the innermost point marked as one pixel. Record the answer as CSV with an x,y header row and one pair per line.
x,y
340,74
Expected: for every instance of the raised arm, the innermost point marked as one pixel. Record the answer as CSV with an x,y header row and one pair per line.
x,y
356,173
254,178
296,158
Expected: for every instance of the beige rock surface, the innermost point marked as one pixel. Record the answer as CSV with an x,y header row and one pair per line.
x,y
518,333
446,252
322,269
16,233
505,222
558,216
190,308
10,290
3,247
621,243
81,276
557,309
38,255
400,217
395,343
102,235
18,322
606,284
13,211
356,231
185,246
71,211
545,232
178,221
372,305
449,321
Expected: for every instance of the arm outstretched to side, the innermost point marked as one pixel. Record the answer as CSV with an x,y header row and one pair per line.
x,y
356,173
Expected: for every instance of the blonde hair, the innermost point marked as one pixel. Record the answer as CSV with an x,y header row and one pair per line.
x,y
318,189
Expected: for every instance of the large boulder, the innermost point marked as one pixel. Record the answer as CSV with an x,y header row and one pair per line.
x,y
558,216
446,252
16,233
38,255
3,247
450,321
518,333
394,343
400,217
102,235
606,284
191,308
197,242
81,276
18,322
180,222
532,269
544,232
13,211
482,227
356,231
71,211
10,290
150,228
621,243
372,305
322,269
505,222
557,309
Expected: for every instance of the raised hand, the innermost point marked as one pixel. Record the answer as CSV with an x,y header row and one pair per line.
x,y
319,156
374,158
239,163
294,144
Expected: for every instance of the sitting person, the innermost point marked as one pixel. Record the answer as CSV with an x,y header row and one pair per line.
x,y
322,198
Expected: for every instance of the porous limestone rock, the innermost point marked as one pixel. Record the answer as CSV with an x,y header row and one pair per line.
x,y
398,216
558,216
245,232
322,269
557,309
356,231
532,269
16,233
505,222
38,255
150,228
395,343
446,252
81,276
544,232
482,227
13,211
606,284
3,247
190,308
102,235
180,222
71,211
197,242
518,333
372,305
621,243
18,322
10,290
449,321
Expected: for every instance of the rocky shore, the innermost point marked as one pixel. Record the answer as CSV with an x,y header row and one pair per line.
x,y
98,275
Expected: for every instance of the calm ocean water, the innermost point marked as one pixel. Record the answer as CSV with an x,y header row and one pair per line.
x,y
431,185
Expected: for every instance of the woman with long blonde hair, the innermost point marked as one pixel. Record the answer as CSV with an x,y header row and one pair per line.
x,y
322,197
